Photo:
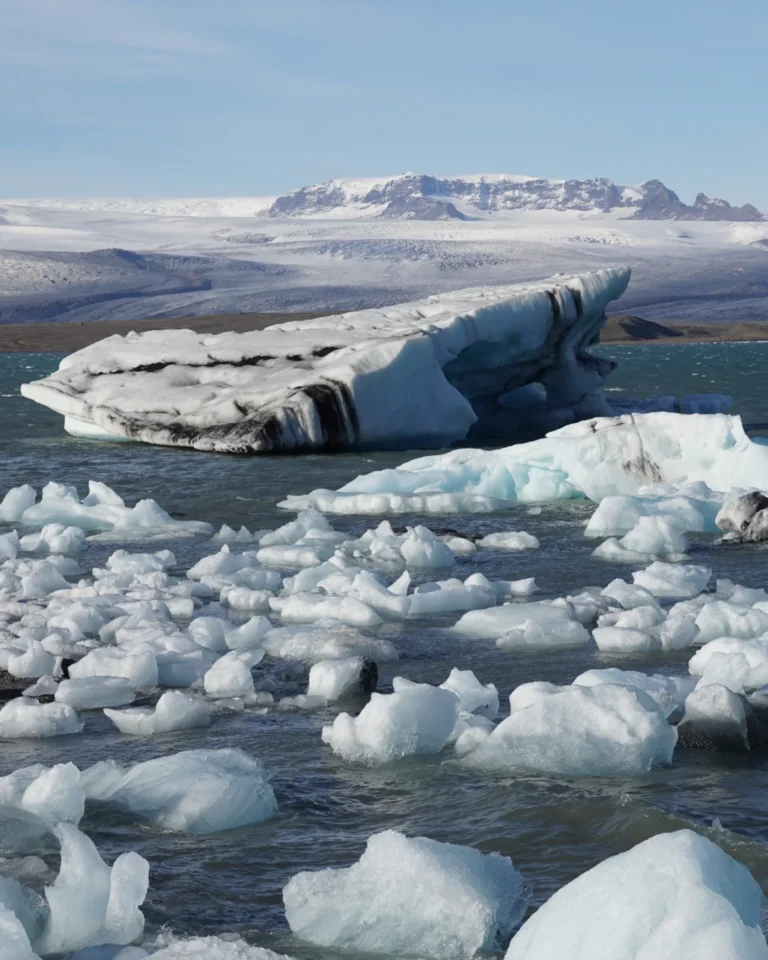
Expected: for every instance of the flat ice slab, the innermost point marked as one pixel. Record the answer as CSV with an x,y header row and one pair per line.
x,y
658,456
416,374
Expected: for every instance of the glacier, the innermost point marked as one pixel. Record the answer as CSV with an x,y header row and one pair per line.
x,y
506,362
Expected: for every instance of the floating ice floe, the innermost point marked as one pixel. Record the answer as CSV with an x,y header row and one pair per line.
x,y
93,693
415,719
715,718
508,540
196,791
24,717
101,511
652,538
668,692
409,897
676,895
52,793
604,730
343,677
327,640
91,903
653,454
173,711
228,947
414,375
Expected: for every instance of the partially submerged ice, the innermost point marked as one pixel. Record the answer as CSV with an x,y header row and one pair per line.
x,y
660,464
415,719
409,897
603,730
487,361
196,791
674,896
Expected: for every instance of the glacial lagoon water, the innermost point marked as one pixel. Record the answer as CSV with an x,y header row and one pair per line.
x,y
552,829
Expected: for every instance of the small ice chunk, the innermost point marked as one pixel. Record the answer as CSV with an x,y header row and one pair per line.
x,y
544,633
231,675
16,502
344,677
416,719
23,717
91,903
137,665
55,538
228,947
196,791
606,730
92,693
52,793
676,895
673,581
474,697
668,692
628,596
509,540
250,635
173,711
625,640
715,718
327,639
409,897
498,621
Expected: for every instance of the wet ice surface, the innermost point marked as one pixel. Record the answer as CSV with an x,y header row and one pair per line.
x,y
552,828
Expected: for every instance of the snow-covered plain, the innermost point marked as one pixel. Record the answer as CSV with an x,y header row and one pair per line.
x,y
63,259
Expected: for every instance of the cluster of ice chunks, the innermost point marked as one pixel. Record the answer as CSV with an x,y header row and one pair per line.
x,y
674,895
193,791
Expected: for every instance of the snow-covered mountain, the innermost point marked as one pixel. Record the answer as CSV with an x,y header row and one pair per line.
x,y
413,196
355,244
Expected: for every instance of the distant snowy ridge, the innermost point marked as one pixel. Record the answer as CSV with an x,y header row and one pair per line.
x,y
413,196
496,362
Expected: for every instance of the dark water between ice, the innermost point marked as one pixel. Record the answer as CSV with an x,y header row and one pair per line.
x,y
553,830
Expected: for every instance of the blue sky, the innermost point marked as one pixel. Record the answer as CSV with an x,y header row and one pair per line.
x,y
236,97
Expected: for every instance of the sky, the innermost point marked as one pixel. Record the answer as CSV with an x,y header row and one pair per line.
x,y
245,97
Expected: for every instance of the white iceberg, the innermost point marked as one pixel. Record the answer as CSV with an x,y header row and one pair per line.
x,y
173,711
91,903
602,457
344,677
509,540
92,693
415,719
416,374
674,896
604,730
197,791
24,717
327,640
52,793
409,897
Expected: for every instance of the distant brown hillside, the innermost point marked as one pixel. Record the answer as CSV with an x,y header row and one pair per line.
x,y
625,329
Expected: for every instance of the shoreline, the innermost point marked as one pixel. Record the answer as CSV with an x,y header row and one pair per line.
x,y
64,337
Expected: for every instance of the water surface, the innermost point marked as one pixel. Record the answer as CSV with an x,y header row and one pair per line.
x,y
552,829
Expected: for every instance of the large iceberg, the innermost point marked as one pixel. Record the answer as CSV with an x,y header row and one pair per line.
x,y
409,898
491,361
647,455
674,896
